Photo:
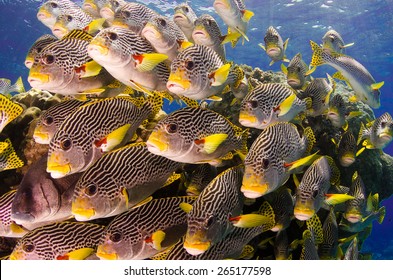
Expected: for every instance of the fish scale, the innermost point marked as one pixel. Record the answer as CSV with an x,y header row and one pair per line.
x,y
136,225
54,241
143,174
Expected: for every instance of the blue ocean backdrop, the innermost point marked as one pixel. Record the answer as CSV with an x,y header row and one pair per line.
x,y
366,23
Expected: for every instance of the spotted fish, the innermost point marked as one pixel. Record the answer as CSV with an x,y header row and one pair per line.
x,y
51,119
8,157
346,150
267,104
65,67
144,231
70,20
361,81
110,8
378,133
130,59
328,249
184,16
356,208
41,199
37,47
268,164
282,203
274,45
6,87
337,111
200,178
50,10
107,188
93,129
59,241
9,111
8,227
333,42
319,90
297,72
196,135
93,7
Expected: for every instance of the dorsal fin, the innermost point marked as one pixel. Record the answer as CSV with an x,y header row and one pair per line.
x,y
78,34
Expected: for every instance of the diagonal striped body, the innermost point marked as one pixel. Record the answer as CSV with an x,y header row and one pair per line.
x,y
37,47
50,10
184,16
8,227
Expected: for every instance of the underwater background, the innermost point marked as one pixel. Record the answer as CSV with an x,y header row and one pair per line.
x,y
366,23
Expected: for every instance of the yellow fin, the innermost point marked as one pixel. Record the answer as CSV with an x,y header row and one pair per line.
x,y
143,202
147,61
185,44
295,180
333,199
214,98
186,207
361,150
339,76
89,69
314,225
157,238
171,179
310,139
377,85
347,45
262,46
114,138
247,252
230,37
78,34
316,58
284,69
249,220
126,198
284,48
9,111
353,99
95,91
17,229
189,102
9,159
3,146
95,26
247,15
211,142
220,76
302,161
310,71
80,254
286,105
18,86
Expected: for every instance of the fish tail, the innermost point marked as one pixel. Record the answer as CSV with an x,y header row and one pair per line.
x,y
317,55
382,213
363,132
152,105
18,86
10,158
10,109
267,210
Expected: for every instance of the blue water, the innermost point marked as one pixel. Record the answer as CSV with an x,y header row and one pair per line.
x,y
367,23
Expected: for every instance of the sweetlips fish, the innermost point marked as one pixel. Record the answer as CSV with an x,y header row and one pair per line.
x,y
207,32
108,188
130,58
93,7
333,42
377,133
41,199
70,20
8,157
164,35
328,249
270,103
110,8
352,252
337,112
9,111
184,16
59,241
200,178
144,231
350,70
273,156
274,45
65,67
209,218
282,203
347,149
355,209
8,227
234,15
37,47
51,119
198,72
95,128
6,87
309,250
133,16
197,135
281,246
297,72
50,10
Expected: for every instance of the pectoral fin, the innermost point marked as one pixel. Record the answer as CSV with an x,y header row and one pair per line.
x,y
79,254
219,76
156,239
302,162
249,220
377,85
247,15
113,139
211,142
186,207
147,61
89,69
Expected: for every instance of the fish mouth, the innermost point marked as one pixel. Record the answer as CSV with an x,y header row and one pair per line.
x,y
347,160
37,79
155,145
29,62
247,120
43,14
196,248
303,214
59,31
90,6
180,16
106,13
353,218
104,255
150,31
41,137
253,188
293,82
22,217
192,191
117,23
56,169
82,210
177,83
386,136
97,48
221,4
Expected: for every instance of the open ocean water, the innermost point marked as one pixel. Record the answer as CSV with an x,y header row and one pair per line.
x,y
366,23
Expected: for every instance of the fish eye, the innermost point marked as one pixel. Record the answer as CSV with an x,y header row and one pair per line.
x,y
210,221
69,18
126,14
49,59
65,144
91,190
383,124
171,128
48,120
115,237
28,248
112,36
315,193
265,163
116,4
53,5
298,69
162,22
189,64
253,104
186,9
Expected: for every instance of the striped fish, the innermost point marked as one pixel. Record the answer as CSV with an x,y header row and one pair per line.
x,y
130,59
41,199
352,252
328,249
93,7
59,241
337,111
50,10
281,246
297,72
312,189
264,105
274,45
133,16
200,178
144,231
198,73
164,35
9,111
356,208
207,32
282,203
319,90
309,249
51,119
8,157
184,16
70,20
346,150
108,187
8,227
110,8
333,42
271,156
197,135
93,129
378,133
209,218
361,81
37,47
64,67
